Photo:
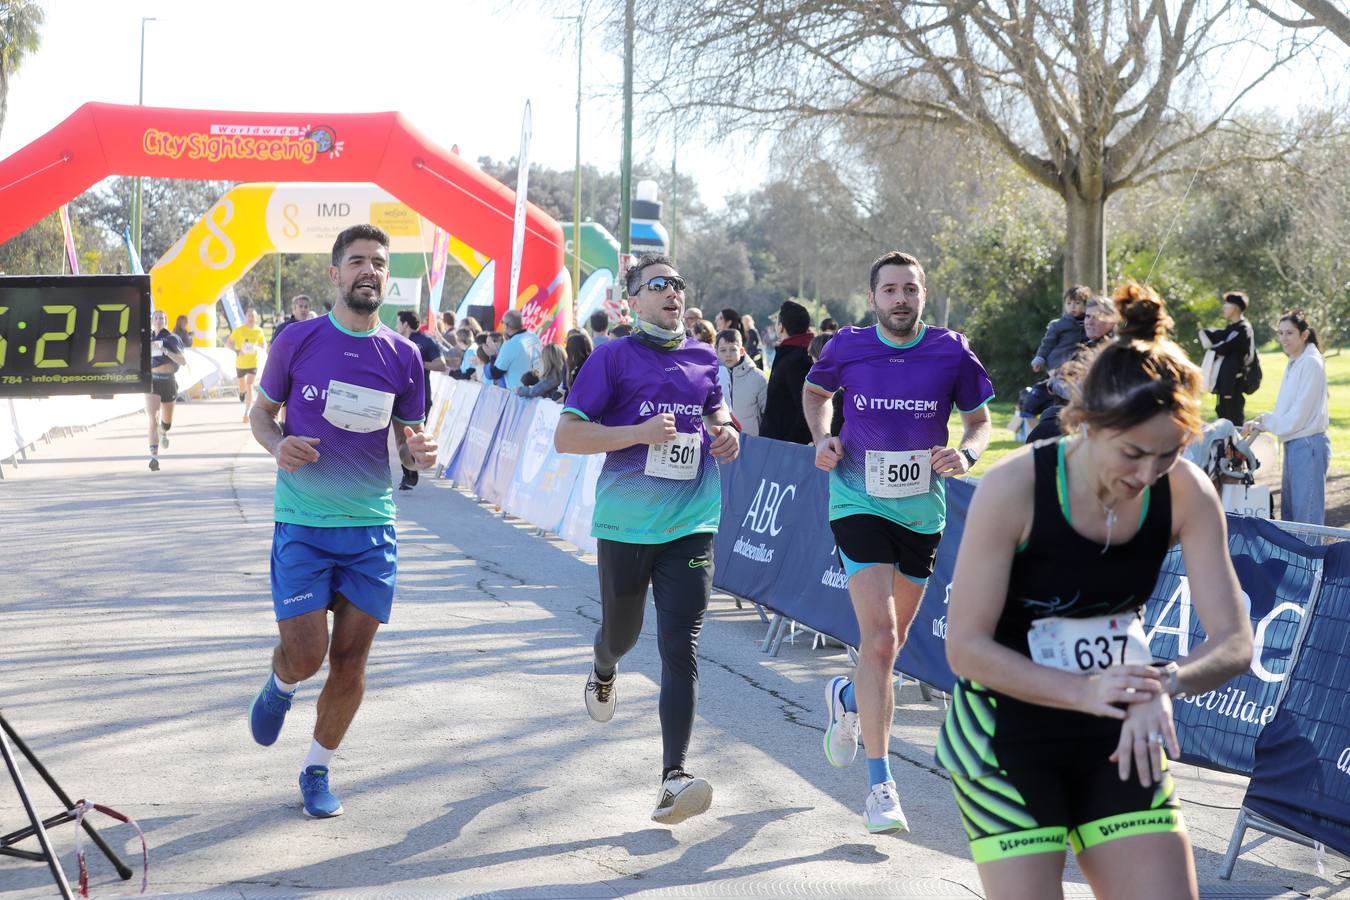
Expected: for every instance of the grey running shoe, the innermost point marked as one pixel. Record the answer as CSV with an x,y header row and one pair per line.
x,y
154,464
841,726
600,696
682,797
882,813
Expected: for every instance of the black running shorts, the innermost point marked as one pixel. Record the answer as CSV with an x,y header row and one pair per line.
x,y
865,540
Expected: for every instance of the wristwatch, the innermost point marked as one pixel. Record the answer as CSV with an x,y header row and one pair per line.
x,y
1171,673
971,457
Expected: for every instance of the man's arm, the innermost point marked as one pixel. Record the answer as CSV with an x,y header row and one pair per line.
x,y
576,435
726,437
416,448
291,452
949,462
435,365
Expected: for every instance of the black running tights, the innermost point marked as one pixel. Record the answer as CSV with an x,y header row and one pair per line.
x,y
680,575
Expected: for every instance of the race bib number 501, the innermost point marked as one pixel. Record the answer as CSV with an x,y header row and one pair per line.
x,y
677,458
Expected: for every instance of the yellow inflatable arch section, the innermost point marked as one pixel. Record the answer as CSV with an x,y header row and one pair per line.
x,y
253,220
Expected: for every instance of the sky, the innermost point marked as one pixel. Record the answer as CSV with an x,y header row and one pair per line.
x,y
459,70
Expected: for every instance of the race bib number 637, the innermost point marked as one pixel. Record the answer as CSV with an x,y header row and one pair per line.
x,y
1089,645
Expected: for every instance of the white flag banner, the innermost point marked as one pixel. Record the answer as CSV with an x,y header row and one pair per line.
x,y
518,226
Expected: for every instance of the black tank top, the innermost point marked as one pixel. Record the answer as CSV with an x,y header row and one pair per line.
x,y
1058,572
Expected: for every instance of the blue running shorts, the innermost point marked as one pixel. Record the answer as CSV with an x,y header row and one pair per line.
x,y
310,565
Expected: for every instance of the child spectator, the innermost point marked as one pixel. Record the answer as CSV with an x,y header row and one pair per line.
x,y
548,374
1063,335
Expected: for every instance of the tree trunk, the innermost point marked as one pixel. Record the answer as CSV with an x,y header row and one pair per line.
x,y
1085,240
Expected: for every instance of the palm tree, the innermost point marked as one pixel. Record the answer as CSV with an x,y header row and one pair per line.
x,y
20,21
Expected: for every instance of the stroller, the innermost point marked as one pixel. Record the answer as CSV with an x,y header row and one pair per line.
x,y
1227,458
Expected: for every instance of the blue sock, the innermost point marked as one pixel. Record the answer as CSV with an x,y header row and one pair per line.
x,y
879,770
846,697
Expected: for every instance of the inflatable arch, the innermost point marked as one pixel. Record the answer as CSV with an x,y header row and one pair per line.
x,y
101,139
252,220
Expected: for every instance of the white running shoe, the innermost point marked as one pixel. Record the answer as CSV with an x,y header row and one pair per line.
x,y
164,439
682,796
600,696
882,813
841,726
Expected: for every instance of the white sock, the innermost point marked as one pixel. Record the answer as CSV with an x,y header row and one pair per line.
x,y
283,686
319,755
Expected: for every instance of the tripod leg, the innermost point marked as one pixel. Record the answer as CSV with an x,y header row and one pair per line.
x,y
123,870
52,862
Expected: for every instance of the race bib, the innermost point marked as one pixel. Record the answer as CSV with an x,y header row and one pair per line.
x,y
676,459
898,473
355,408
248,348
1089,645
156,348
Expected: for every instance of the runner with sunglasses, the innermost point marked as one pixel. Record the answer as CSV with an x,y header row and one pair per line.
x,y
651,403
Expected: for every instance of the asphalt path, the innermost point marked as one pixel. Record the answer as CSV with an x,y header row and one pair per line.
x,y
136,627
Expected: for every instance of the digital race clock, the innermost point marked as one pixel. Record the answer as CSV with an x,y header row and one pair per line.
x,y
74,334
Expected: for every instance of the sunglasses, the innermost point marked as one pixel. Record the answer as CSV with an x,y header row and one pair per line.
x,y
659,283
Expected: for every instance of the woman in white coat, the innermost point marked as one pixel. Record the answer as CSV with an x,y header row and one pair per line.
x,y
1300,421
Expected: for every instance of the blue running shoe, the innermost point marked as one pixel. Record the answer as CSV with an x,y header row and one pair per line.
x,y
268,712
319,800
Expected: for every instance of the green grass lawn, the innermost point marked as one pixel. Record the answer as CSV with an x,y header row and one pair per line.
x,y
1272,365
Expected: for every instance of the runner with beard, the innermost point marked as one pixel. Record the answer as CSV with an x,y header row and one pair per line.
x,y
900,379
342,378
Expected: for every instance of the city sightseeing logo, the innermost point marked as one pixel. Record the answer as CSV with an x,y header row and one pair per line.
x,y
265,143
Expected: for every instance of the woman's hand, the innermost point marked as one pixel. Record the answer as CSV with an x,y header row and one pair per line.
x,y
1147,729
1103,692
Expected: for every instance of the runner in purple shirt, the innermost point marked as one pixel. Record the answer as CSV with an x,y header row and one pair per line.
x,y
901,379
650,402
344,380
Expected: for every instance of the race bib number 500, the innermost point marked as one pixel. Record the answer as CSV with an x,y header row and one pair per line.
x,y
1089,645
677,458
898,473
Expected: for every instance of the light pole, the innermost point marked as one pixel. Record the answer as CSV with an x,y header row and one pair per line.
x,y
626,166
576,174
136,186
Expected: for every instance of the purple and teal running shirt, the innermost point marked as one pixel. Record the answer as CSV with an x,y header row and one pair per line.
x,y
326,375
897,397
626,382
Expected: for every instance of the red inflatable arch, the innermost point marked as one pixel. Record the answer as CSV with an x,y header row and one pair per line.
x,y
102,139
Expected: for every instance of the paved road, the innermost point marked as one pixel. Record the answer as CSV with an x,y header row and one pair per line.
x,y
136,629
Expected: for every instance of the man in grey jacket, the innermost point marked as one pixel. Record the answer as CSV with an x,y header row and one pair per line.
x,y
744,385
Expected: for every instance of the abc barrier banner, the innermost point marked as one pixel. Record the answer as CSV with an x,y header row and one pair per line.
x,y
500,466
468,460
544,478
576,523
1301,778
924,655
456,421
1278,574
774,545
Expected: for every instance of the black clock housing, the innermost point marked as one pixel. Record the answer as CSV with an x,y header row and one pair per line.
x,y
74,334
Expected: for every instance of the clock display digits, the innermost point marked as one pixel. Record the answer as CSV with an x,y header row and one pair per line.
x,y
123,312
40,360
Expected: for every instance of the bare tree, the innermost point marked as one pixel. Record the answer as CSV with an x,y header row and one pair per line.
x,y
1315,14
20,36
1087,97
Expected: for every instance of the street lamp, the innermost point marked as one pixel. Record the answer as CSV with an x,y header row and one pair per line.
x,y
136,186
576,175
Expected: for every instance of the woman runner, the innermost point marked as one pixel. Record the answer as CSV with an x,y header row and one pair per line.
x,y
1060,730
